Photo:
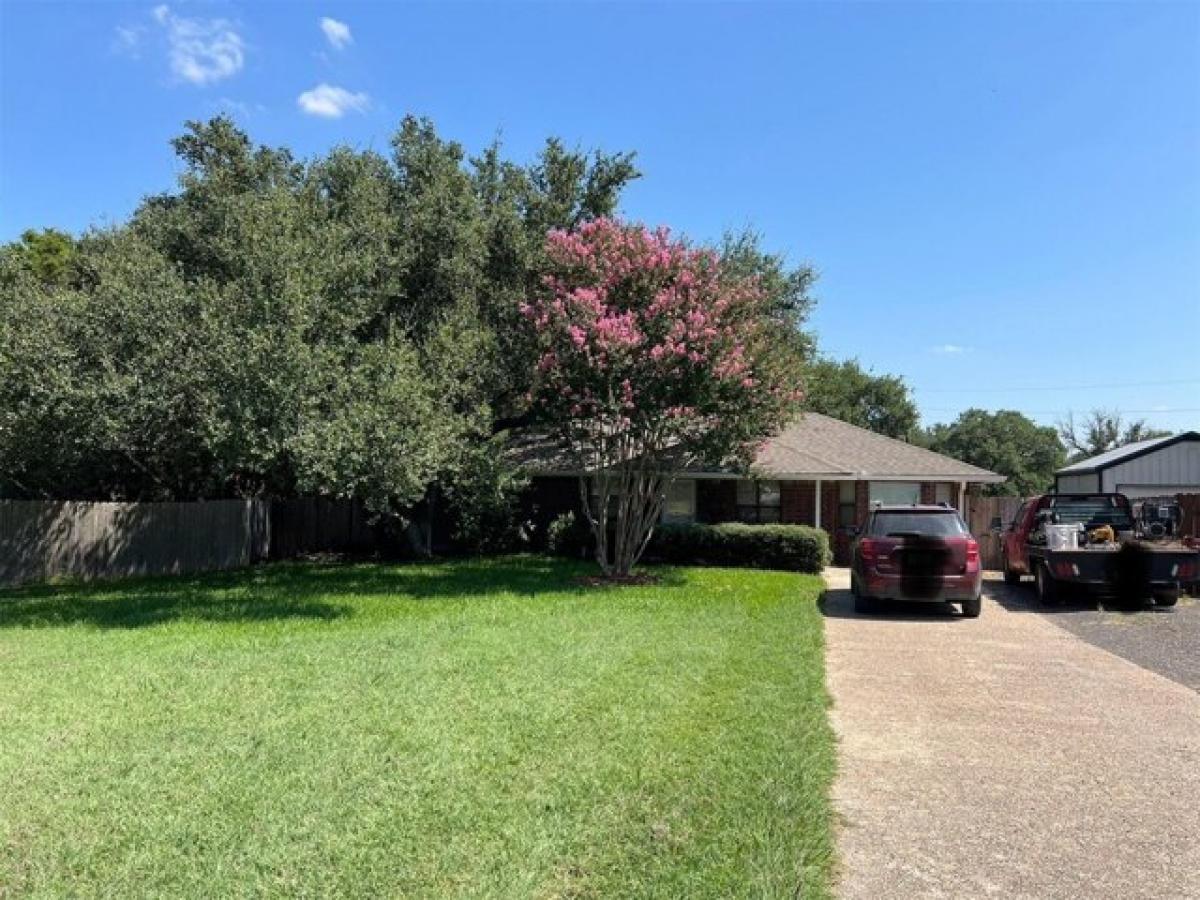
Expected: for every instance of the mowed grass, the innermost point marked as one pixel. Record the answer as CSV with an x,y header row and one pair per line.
x,y
459,729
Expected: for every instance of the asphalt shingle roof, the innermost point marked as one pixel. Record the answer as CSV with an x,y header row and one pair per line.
x,y
819,445
813,446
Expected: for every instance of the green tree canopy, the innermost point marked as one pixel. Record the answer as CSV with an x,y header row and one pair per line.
x,y
1006,442
47,254
847,391
344,325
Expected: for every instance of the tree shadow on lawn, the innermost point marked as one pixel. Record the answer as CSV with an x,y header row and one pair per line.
x,y
476,578
291,590
142,602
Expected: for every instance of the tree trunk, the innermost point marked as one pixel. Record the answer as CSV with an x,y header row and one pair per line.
x,y
639,496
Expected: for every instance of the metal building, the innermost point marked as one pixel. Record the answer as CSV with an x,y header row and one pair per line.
x,y
1154,468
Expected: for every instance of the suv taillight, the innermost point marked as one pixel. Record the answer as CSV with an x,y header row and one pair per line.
x,y
868,549
972,550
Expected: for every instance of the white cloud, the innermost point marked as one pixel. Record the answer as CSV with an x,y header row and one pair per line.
x,y
950,349
331,102
128,39
201,50
237,108
337,33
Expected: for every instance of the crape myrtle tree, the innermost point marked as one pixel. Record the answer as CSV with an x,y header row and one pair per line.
x,y
653,355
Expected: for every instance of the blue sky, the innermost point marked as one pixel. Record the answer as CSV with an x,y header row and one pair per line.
x,y
1003,199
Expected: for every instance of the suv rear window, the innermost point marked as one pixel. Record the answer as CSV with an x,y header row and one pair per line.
x,y
935,523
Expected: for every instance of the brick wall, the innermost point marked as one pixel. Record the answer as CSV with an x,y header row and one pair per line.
x,y
796,502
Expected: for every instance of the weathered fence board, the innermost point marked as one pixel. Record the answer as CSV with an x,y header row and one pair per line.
x,y
319,525
1189,505
40,540
980,512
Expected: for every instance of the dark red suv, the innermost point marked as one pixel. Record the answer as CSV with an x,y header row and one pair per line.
x,y
915,553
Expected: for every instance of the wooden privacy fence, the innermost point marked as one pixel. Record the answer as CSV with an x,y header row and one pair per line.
x,y
980,512
1189,507
320,525
40,540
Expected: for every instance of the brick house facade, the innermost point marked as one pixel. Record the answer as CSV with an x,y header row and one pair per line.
x,y
819,471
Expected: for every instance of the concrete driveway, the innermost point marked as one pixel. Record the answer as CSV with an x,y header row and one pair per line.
x,y
1005,757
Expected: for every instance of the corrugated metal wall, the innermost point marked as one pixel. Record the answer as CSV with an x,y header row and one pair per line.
x,y
1171,470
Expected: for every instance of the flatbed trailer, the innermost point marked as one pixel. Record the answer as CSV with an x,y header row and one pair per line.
x,y
1132,571
1127,569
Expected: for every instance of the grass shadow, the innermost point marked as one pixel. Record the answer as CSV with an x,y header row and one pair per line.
x,y
246,595
293,590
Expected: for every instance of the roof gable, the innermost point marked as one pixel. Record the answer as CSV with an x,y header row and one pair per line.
x,y
1128,451
819,445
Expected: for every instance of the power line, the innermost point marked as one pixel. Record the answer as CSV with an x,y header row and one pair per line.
x,y
1058,412
1057,387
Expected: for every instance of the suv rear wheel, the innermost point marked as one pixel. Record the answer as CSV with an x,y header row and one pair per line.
x,y
862,605
971,608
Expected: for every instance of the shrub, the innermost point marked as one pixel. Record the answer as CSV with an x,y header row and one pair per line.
x,y
797,548
566,535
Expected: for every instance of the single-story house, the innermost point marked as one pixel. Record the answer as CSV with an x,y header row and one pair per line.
x,y
1159,467
847,467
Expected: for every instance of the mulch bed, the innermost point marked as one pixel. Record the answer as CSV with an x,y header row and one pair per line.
x,y
617,580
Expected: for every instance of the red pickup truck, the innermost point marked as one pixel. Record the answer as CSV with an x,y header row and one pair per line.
x,y
1091,542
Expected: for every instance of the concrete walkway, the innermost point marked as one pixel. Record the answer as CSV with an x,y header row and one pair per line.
x,y
1004,757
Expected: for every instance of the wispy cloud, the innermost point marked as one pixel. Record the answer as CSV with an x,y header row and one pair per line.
x,y
128,39
337,33
240,109
950,349
330,102
201,51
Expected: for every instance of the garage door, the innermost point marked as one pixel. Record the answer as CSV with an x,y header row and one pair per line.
x,y
895,492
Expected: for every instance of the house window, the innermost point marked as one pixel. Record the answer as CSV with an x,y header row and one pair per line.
x,y
895,493
758,501
941,493
680,505
847,504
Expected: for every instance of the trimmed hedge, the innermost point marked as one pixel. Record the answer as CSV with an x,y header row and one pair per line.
x,y
797,548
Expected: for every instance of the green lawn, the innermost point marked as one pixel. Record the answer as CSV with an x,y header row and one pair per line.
x,y
462,729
